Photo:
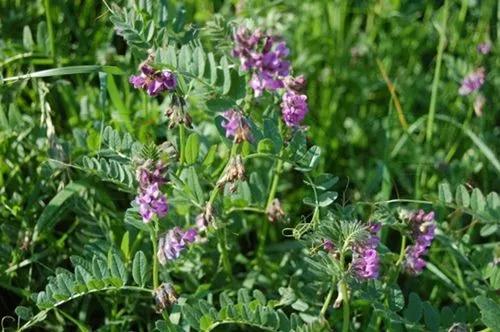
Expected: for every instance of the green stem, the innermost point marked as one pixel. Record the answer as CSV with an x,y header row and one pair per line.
x,y
402,251
346,309
226,263
434,91
40,315
460,279
50,29
327,301
270,198
154,240
221,231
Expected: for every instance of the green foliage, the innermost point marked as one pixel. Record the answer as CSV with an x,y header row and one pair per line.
x,y
382,118
489,312
253,311
484,207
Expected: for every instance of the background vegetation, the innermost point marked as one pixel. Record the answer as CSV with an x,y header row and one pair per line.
x,y
383,79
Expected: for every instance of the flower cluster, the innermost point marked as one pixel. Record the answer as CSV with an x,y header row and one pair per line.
x,y
294,108
152,202
266,57
366,261
472,82
150,199
236,126
153,81
173,242
423,227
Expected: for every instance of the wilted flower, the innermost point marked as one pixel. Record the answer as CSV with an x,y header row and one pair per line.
x,y
423,229
275,211
205,218
235,171
297,84
236,126
153,81
472,82
366,262
173,242
479,102
294,108
177,114
484,48
165,296
152,202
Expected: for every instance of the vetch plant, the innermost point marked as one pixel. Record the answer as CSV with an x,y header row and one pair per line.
x,y
224,197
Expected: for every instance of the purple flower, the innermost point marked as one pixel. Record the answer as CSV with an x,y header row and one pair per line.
x,y
374,227
423,228
472,82
174,241
484,48
154,82
236,126
246,47
152,202
264,56
294,108
146,176
328,245
414,263
366,262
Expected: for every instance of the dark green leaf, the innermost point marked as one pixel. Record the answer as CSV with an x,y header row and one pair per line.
x,y
414,310
140,269
192,148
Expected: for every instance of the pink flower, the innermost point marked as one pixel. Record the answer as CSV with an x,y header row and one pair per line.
x,y
472,82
